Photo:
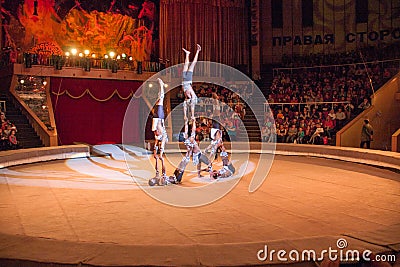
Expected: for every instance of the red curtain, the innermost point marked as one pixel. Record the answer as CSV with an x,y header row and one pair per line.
x,y
219,26
92,110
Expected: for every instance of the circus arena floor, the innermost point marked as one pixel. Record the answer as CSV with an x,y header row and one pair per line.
x,y
94,211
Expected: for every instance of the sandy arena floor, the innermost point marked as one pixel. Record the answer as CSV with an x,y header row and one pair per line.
x,y
92,211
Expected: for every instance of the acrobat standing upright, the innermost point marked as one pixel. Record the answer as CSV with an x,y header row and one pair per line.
x,y
158,127
187,79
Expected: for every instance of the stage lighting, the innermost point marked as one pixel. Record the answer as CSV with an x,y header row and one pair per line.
x,y
44,82
112,54
86,52
22,81
80,54
93,55
74,51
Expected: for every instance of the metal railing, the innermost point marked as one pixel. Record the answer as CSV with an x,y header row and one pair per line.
x,y
304,104
396,62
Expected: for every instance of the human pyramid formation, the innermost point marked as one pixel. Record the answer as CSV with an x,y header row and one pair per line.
x,y
192,147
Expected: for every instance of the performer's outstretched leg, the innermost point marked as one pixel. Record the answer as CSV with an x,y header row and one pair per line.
x,y
186,65
178,173
196,56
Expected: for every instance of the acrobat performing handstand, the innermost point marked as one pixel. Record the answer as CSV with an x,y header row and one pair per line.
x,y
187,79
158,127
192,151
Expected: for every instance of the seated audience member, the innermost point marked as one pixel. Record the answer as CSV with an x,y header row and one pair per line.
x,y
300,136
3,140
265,133
13,142
332,114
316,137
364,105
280,134
291,134
348,108
340,118
232,131
329,127
307,134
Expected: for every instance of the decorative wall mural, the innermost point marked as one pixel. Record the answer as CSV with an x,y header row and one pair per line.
x,y
121,26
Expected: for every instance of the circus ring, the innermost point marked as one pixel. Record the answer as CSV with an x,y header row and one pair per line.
x,y
66,206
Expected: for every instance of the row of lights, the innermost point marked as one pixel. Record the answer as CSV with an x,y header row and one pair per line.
x,y
44,82
151,85
86,53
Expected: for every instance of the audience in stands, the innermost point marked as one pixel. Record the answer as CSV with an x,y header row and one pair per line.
x,y
317,102
223,105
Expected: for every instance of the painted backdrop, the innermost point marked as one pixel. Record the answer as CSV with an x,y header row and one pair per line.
x,y
122,26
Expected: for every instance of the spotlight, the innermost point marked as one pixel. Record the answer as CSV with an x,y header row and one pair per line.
x,y
130,58
93,55
44,82
150,85
22,81
86,52
123,55
106,56
112,54
81,54
166,85
67,54
118,57
74,51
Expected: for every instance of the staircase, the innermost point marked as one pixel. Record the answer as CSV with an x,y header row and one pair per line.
x,y
26,135
257,104
177,115
249,126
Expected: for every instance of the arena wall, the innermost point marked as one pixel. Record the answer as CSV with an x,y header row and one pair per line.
x,y
334,28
